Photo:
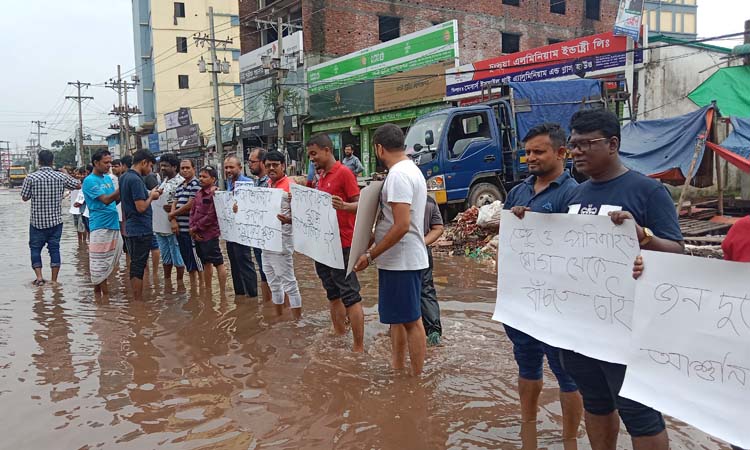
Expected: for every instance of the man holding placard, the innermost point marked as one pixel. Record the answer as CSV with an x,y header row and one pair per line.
x,y
342,290
548,189
624,195
399,249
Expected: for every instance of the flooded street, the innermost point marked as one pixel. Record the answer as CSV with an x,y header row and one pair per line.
x,y
183,370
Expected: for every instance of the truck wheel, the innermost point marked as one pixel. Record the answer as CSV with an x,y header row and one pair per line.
x,y
484,194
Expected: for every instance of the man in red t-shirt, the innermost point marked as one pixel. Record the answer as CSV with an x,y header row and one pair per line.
x,y
736,245
342,291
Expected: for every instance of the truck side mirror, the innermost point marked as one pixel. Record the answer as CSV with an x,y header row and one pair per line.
x,y
429,138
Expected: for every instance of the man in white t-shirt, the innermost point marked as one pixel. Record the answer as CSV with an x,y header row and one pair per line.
x,y
399,251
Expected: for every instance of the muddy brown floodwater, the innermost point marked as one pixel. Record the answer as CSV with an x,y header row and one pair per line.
x,y
183,370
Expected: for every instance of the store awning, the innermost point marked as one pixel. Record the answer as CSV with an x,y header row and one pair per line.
x,y
729,88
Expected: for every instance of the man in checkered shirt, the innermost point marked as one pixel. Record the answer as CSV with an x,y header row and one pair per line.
x,y
45,189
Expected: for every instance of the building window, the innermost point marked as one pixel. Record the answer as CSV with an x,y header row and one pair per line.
x,y
551,41
182,81
235,55
238,90
512,2
388,28
182,45
557,6
593,9
234,21
511,42
269,35
179,9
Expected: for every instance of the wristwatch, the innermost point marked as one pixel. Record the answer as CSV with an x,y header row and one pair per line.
x,y
369,258
647,236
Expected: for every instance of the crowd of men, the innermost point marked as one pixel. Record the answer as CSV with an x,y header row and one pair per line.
x,y
177,218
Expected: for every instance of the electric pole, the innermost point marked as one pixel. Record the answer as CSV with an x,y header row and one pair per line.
x,y
78,98
5,159
39,125
216,68
122,111
280,83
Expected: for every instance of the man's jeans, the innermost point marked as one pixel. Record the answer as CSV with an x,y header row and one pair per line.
x,y
38,237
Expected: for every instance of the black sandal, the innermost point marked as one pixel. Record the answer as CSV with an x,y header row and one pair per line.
x,y
38,283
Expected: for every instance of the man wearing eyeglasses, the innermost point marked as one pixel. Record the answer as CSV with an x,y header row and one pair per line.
x,y
623,194
258,171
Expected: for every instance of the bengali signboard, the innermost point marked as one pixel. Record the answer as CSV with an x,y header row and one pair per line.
x,y
565,59
178,118
188,136
416,87
251,64
628,22
348,100
422,48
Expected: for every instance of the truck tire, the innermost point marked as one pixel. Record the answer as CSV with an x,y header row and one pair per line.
x,y
484,194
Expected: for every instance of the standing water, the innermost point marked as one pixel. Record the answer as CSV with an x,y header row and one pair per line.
x,y
188,370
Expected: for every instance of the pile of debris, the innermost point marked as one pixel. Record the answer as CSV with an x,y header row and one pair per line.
x,y
473,233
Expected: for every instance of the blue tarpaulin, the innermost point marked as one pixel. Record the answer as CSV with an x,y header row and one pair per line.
x,y
657,146
552,101
739,140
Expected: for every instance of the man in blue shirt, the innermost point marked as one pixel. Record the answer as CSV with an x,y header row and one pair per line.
x,y
105,245
244,277
549,189
622,194
136,209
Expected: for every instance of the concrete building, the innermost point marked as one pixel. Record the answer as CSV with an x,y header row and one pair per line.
x,y
486,27
672,18
166,59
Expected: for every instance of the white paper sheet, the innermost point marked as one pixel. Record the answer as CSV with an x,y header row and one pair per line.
x,y
315,227
256,219
367,210
76,196
224,202
690,354
567,280
160,219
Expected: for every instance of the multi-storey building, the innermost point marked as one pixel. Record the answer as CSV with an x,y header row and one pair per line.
x,y
673,18
167,57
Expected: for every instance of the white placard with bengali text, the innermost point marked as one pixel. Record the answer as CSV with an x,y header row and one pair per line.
x,y
224,202
315,227
567,280
367,211
690,350
257,219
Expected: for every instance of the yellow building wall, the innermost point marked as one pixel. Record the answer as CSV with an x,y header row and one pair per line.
x,y
168,63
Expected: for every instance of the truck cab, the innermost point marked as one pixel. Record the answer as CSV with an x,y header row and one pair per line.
x,y
473,155
16,175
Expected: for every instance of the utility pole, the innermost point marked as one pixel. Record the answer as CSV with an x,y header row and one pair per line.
x,y
5,159
39,125
280,84
122,111
78,98
216,67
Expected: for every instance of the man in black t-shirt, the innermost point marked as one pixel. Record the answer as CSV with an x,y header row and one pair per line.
x,y
623,194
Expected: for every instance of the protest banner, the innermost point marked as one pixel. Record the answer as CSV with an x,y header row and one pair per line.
x,y
256,219
367,210
315,228
160,220
690,356
224,201
567,280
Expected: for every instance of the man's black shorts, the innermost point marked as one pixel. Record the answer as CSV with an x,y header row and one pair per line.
x,y
209,252
139,248
337,284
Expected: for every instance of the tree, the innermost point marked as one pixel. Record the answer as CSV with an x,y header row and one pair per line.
x,y
66,155
58,144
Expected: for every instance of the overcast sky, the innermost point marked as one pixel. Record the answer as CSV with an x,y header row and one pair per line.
x,y
52,42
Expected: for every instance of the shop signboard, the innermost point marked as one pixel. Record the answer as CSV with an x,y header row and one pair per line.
x,y
418,86
178,118
251,64
188,136
628,22
564,59
422,48
348,100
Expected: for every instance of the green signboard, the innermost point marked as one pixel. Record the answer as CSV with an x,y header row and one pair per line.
x,y
354,99
419,49
401,114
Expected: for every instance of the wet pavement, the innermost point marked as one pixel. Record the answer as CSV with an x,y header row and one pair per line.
x,y
184,370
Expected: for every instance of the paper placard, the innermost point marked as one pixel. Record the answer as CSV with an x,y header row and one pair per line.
x,y
160,219
224,202
367,210
565,279
690,354
256,218
315,227
76,196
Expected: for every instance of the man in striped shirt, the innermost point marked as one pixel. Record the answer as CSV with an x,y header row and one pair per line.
x,y
45,189
183,202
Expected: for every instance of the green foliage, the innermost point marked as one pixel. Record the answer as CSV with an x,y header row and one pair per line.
x,y
66,155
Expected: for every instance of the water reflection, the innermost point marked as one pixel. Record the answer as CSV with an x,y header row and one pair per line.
x,y
190,370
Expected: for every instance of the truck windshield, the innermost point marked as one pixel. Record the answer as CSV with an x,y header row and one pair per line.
x,y
18,171
416,133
